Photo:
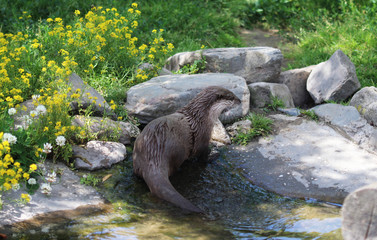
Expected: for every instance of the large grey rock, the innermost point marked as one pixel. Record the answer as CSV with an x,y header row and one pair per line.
x,y
261,94
98,155
365,101
255,64
347,121
88,97
105,128
164,95
333,80
68,199
305,159
359,214
295,80
219,136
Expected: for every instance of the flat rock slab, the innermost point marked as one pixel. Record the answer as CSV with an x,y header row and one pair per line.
x,y
67,196
306,159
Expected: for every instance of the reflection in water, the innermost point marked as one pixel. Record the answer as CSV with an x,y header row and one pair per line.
x,y
235,210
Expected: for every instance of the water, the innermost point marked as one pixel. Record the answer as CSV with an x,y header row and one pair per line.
x,y
235,209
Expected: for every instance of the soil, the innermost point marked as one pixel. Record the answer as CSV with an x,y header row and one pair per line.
x,y
265,38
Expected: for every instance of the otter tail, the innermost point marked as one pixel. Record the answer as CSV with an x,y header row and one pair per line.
x,y
162,188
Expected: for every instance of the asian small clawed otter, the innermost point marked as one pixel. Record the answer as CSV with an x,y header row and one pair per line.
x,y
166,142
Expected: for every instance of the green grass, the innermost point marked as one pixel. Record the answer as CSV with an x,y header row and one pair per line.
x,y
260,126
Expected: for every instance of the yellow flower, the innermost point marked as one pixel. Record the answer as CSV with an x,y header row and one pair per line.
x,y
26,197
33,167
134,5
77,12
49,20
26,176
7,186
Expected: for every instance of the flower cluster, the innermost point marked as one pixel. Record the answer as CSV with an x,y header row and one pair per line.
x,y
11,172
37,65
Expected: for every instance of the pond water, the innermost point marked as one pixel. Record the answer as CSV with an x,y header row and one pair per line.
x,y
235,209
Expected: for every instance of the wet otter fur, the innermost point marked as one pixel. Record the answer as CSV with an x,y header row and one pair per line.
x,y
166,142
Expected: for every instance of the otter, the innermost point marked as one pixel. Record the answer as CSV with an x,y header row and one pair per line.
x,y
166,142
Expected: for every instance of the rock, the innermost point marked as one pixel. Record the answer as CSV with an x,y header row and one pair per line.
x,y
337,114
98,155
105,128
347,121
305,159
290,111
68,199
261,94
161,72
88,97
365,101
295,80
333,80
359,214
22,118
219,135
240,126
164,95
255,64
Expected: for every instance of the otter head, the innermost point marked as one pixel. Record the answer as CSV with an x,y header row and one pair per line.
x,y
221,100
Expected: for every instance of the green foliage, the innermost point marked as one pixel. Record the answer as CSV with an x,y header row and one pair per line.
x,y
310,113
260,126
198,66
276,103
90,180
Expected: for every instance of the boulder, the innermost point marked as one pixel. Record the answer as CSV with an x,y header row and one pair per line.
x,y
105,128
98,154
164,95
347,121
365,101
219,136
255,64
295,80
359,214
88,97
333,80
261,94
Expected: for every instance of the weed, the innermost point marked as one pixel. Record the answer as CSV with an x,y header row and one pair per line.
x,y
198,66
260,126
90,180
311,114
276,103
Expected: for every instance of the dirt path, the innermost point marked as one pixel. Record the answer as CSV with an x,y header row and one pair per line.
x,y
265,38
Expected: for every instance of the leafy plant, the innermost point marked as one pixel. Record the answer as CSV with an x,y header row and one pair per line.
x,y
198,66
311,114
90,180
260,126
276,103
